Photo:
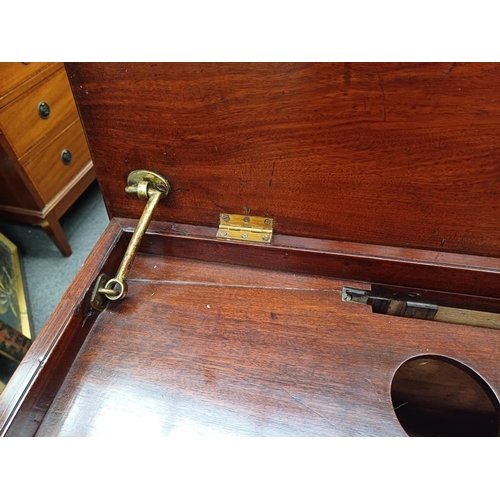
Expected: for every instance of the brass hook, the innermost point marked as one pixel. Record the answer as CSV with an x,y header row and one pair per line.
x,y
147,186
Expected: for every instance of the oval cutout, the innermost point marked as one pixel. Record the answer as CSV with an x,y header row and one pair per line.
x,y
438,396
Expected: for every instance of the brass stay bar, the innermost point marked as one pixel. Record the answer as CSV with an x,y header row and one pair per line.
x,y
148,186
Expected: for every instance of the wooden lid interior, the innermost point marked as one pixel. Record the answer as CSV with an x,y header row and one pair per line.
x,y
405,155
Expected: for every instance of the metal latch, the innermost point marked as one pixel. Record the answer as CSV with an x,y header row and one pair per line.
x,y
387,305
150,187
245,228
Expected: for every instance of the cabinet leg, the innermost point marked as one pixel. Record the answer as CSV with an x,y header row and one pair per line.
x,y
52,227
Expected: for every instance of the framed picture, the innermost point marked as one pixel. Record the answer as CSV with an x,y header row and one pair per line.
x,y
15,330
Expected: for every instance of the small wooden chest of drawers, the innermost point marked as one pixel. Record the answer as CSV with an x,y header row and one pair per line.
x,y
44,159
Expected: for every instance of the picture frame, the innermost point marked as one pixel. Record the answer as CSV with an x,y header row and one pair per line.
x,y
14,315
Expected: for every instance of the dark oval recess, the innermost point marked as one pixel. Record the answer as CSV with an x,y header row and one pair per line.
x,y
439,396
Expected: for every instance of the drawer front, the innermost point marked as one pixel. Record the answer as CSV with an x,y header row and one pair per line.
x,y
16,78
50,170
22,122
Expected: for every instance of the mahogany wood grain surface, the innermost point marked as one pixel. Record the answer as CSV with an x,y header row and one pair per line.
x,y
217,350
396,154
291,322
32,388
381,175
424,269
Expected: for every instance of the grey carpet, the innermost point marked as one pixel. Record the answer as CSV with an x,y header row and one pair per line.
x,y
47,274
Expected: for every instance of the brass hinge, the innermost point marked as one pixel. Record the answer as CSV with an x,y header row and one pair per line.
x,y
245,228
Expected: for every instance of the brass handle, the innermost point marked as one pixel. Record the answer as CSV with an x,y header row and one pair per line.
x,y
147,186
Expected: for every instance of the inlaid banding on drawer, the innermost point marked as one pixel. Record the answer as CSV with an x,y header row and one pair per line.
x,y
56,165
21,121
17,78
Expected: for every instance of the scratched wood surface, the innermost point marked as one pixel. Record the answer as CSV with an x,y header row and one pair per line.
x,y
211,349
393,154
34,384
419,269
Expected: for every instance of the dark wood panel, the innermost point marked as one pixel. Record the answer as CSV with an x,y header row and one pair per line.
x,y
174,270
197,357
423,269
15,191
394,154
177,270
31,389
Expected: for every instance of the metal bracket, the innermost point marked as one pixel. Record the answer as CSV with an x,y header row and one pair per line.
x,y
98,300
387,305
245,228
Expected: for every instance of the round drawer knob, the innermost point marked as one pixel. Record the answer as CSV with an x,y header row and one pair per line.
x,y
66,156
44,109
